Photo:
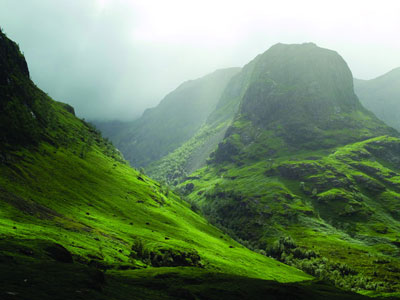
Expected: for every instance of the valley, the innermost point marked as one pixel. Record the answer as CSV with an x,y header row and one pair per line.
x,y
267,181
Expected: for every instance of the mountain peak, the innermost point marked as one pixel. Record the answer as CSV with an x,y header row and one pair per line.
x,y
12,61
297,96
305,44
299,81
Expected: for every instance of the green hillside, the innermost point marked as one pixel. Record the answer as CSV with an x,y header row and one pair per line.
x,y
306,174
77,222
382,96
165,127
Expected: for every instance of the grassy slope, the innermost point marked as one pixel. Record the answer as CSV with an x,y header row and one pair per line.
x,y
275,174
97,206
66,195
190,156
341,203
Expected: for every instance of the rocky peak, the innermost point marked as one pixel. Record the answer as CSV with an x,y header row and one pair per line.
x,y
299,80
12,62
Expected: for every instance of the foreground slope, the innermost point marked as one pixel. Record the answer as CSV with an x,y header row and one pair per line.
x,y
306,173
165,127
382,96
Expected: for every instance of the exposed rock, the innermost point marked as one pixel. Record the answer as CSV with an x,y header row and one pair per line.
x,y
59,253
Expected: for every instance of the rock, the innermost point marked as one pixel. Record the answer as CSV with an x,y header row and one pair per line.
x,y
59,253
189,187
371,185
69,108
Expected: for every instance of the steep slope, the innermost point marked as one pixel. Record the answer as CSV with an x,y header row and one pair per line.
x,y
194,153
382,96
164,128
76,222
304,107
24,114
300,97
307,174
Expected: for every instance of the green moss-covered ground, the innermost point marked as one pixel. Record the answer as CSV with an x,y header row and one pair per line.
x,y
87,199
338,208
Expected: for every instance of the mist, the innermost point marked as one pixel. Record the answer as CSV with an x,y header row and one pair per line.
x,y
113,59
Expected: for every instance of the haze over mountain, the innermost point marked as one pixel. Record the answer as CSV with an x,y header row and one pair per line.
x,y
164,128
382,96
114,59
267,181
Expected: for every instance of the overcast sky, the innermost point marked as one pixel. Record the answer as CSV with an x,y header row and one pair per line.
x,y
111,59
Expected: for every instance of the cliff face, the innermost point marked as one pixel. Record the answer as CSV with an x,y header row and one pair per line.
x,y
297,97
302,82
12,61
23,108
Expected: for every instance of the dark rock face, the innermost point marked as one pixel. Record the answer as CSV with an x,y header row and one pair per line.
x,y
25,111
59,253
302,82
189,187
299,171
22,113
69,108
371,185
11,61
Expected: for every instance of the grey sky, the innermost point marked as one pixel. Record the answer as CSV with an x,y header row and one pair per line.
x,y
111,59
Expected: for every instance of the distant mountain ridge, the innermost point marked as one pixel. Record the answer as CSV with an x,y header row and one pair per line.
x,y
164,128
382,96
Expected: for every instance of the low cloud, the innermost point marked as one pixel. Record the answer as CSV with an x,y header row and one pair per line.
x,y
112,59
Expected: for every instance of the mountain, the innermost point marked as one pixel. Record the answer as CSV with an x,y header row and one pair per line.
x,y
306,107
194,153
164,128
299,97
382,96
77,222
304,172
